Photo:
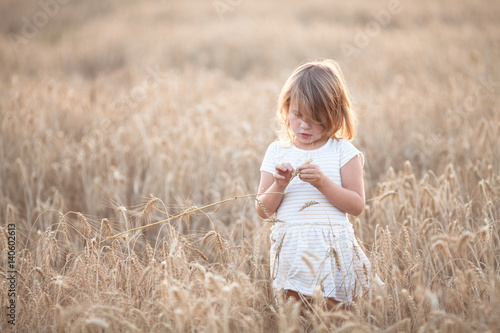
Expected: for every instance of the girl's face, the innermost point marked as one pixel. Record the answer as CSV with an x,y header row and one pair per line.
x,y
308,134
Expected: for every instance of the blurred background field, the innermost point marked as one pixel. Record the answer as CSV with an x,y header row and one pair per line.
x,y
133,111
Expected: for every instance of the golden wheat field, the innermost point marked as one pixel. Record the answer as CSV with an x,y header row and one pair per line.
x,y
120,114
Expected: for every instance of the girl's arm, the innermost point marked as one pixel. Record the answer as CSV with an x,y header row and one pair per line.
x,y
272,187
350,197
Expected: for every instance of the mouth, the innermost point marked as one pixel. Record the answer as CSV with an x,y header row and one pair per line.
x,y
305,135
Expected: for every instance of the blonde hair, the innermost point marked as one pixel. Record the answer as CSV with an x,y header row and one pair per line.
x,y
319,89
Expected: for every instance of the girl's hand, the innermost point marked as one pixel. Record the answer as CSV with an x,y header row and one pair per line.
x,y
283,174
312,174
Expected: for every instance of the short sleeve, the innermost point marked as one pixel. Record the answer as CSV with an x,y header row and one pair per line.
x,y
348,152
269,162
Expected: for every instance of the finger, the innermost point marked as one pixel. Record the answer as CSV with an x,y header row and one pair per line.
x,y
307,176
306,171
281,167
287,167
304,178
306,167
278,176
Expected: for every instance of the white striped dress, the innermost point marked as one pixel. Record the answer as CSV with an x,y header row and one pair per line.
x,y
315,247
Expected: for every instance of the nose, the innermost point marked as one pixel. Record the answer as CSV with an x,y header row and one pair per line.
x,y
304,124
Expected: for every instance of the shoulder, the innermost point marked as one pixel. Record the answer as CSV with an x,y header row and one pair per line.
x,y
348,151
338,145
278,145
274,150
344,144
283,144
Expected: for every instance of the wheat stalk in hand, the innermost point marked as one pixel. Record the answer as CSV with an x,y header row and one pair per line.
x,y
296,172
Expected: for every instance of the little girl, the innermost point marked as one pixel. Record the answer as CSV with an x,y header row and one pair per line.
x,y
311,179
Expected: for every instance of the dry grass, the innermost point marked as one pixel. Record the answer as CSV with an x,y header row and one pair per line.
x,y
116,116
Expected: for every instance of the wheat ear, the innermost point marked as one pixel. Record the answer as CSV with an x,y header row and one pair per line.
x,y
308,204
297,171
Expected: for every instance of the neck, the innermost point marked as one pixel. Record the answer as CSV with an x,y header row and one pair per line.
x,y
310,146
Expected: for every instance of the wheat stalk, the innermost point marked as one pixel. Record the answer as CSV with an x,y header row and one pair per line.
x,y
189,211
277,256
296,172
308,204
105,223
264,209
273,220
332,251
152,200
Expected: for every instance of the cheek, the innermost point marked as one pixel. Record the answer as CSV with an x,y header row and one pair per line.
x,y
294,123
318,129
